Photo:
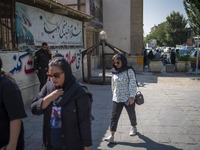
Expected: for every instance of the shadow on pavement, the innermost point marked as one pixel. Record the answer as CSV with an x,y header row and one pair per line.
x,y
148,145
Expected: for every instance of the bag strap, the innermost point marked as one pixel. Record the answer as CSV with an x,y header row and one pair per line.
x,y
135,78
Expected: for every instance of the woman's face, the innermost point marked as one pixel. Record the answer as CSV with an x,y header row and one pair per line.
x,y
118,63
56,75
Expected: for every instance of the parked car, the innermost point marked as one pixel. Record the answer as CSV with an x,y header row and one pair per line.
x,y
184,52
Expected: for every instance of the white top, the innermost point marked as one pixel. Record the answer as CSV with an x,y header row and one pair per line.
x,y
123,86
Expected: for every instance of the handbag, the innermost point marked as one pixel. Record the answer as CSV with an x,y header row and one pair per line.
x,y
139,98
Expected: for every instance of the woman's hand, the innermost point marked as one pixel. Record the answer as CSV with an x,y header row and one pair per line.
x,y
55,94
51,97
131,100
86,148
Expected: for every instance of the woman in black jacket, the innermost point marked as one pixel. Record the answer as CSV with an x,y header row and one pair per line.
x,y
66,106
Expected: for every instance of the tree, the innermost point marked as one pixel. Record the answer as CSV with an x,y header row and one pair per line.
x,y
176,29
159,34
192,8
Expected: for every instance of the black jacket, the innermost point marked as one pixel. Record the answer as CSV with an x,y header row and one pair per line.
x,y
75,116
41,59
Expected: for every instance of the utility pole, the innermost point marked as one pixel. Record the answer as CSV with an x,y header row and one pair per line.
x,y
197,54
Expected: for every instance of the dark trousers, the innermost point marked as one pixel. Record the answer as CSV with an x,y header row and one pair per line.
x,y
116,112
42,77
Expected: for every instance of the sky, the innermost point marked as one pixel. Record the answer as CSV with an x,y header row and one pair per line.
x,y
156,11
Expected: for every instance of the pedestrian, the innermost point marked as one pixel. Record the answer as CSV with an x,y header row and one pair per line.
x,y
145,58
11,113
56,55
41,62
150,56
66,106
157,55
173,57
123,90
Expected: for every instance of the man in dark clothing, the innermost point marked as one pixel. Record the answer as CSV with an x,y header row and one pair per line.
x,y
11,113
173,57
41,62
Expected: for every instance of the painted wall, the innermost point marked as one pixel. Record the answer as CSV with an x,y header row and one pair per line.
x,y
116,23
20,65
35,26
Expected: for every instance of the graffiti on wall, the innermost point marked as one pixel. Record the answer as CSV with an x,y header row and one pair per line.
x,y
75,58
35,26
21,65
28,67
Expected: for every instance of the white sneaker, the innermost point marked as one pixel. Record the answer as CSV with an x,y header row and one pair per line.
x,y
109,139
133,131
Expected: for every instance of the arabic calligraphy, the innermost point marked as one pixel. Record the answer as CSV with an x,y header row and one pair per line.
x,y
19,64
62,30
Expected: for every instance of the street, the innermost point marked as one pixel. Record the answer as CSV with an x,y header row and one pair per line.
x,y
168,120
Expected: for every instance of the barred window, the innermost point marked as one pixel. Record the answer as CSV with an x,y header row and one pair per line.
x,y
7,34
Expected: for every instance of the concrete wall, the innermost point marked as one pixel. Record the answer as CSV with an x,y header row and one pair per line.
x,y
123,22
20,65
116,23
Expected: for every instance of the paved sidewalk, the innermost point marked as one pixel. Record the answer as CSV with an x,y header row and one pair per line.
x,y
169,119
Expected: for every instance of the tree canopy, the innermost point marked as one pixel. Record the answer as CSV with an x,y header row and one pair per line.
x,y
176,31
171,32
192,8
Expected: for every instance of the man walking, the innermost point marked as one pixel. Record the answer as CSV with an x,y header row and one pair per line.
x,y
41,62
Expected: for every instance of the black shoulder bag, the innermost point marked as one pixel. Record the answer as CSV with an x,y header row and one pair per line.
x,y
139,98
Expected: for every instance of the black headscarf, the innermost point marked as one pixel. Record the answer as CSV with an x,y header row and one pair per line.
x,y
72,89
124,66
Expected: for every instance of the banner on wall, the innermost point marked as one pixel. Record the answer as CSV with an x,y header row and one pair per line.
x,y
35,26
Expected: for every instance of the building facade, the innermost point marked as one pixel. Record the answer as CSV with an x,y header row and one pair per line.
x,y
30,23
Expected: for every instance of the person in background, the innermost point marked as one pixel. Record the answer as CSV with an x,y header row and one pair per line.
x,y
157,55
56,55
41,62
173,57
66,106
145,57
11,113
123,90
150,56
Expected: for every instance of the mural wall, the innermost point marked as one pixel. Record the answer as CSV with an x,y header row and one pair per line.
x,y
20,65
35,26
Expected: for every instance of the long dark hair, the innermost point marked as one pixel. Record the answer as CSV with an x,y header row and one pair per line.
x,y
8,75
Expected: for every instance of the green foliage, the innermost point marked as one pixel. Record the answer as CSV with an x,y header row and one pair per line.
x,y
155,59
176,29
159,35
192,8
171,32
183,57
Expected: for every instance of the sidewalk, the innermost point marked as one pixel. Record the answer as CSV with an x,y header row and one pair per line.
x,y
169,119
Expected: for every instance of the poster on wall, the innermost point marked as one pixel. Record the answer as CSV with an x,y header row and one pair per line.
x,y
35,26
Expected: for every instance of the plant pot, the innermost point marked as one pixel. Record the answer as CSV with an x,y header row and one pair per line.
x,y
155,66
183,66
